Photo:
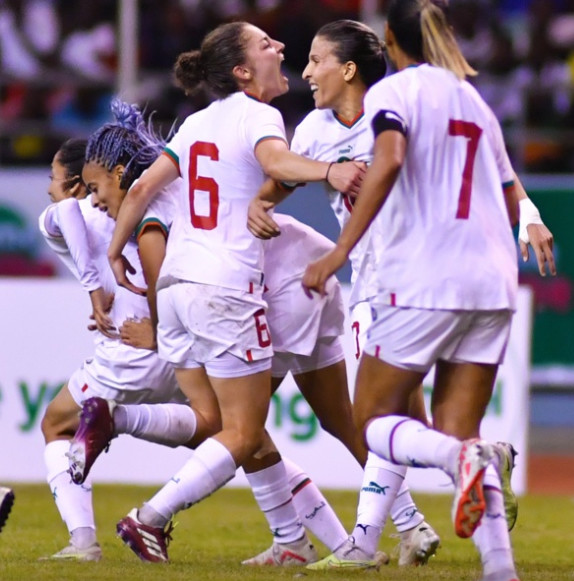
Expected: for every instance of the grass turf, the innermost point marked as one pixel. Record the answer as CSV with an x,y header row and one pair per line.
x,y
213,537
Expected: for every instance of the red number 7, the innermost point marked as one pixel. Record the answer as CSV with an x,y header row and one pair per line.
x,y
472,132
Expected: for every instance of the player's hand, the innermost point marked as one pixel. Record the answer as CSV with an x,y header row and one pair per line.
x,y
101,305
259,222
347,177
120,265
542,242
138,333
318,272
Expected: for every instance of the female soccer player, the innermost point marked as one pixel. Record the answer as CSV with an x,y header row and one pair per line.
x,y
440,192
345,59
212,323
80,234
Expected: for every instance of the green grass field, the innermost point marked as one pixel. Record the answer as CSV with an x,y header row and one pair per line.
x,y
212,538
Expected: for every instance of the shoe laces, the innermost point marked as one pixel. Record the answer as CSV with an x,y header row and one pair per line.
x,y
167,532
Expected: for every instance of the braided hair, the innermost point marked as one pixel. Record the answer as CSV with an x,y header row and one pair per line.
x,y
129,141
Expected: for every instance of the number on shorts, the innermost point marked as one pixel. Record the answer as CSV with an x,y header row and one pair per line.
x,y
205,184
472,132
356,329
263,335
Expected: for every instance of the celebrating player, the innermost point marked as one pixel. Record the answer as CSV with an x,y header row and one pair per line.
x,y
440,193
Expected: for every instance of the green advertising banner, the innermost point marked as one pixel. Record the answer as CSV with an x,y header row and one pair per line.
x,y
553,331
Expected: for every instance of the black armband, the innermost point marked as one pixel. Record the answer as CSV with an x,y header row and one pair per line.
x,y
388,121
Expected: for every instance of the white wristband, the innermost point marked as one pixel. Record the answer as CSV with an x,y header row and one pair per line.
x,y
529,214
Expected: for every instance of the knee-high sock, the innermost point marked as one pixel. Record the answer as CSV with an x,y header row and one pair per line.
x,y
313,508
74,502
411,443
491,537
381,482
273,495
169,424
210,467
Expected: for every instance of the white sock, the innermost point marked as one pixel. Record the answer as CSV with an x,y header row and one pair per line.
x,y
210,467
491,537
169,424
411,443
404,511
313,508
74,502
381,482
273,495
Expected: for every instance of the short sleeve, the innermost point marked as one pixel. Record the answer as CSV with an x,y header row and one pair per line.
x,y
499,148
265,122
384,101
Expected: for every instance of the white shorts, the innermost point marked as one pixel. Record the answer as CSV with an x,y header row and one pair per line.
x,y
361,319
328,351
297,322
415,339
198,323
83,384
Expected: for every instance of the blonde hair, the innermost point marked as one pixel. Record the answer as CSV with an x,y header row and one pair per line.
x,y
439,44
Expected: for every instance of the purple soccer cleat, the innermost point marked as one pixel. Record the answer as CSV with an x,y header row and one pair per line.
x,y
93,436
6,503
147,542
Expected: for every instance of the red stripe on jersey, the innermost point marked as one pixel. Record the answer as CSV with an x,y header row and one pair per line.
x,y
250,288
393,300
84,387
249,355
378,351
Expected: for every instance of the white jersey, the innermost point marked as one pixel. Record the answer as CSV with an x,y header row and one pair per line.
x,y
297,322
445,239
215,153
323,136
116,365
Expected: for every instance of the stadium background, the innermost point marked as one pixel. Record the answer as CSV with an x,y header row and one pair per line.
x,y
61,62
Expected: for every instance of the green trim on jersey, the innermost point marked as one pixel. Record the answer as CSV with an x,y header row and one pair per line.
x,y
507,184
172,155
269,137
151,222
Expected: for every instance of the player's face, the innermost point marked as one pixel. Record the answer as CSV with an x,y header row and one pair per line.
x,y
325,74
105,187
263,65
58,180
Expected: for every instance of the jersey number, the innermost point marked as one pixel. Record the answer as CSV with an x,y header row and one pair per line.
x,y
204,184
263,335
472,132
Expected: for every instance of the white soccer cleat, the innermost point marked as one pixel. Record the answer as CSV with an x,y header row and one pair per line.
x,y
297,553
506,461
73,553
418,545
469,503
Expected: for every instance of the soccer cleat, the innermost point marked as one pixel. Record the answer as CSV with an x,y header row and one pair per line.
x,y
349,556
418,545
506,455
93,436
300,552
469,504
6,503
73,553
147,542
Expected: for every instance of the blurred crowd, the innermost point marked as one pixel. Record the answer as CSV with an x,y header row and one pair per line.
x,y
59,62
